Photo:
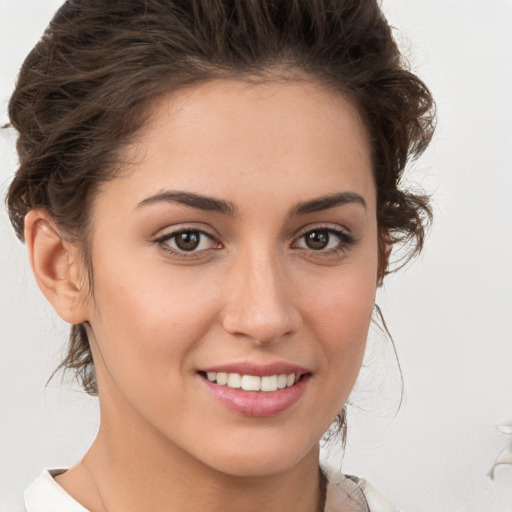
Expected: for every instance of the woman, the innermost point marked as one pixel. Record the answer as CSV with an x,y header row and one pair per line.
x,y
209,192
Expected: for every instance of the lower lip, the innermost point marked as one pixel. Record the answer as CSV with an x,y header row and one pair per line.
x,y
258,403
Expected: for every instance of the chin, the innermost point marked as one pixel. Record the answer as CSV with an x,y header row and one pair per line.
x,y
253,459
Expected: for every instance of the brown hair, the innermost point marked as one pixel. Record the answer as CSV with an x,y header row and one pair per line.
x,y
85,87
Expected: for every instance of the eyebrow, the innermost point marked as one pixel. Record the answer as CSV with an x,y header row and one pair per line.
x,y
326,202
194,200
228,208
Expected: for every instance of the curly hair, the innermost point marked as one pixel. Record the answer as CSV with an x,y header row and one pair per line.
x,y
85,88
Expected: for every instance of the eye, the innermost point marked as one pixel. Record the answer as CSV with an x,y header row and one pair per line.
x,y
187,241
317,240
325,239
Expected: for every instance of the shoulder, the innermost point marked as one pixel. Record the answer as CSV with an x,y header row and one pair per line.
x,y
46,495
376,501
347,492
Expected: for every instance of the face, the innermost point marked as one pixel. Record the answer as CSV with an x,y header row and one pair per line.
x,y
235,267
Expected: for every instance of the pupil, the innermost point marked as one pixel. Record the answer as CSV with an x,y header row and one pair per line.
x,y
187,241
317,240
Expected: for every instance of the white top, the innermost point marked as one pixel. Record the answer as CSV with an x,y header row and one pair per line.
x,y
343,494
46,495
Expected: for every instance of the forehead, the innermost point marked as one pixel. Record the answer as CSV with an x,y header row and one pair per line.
x,y
226,136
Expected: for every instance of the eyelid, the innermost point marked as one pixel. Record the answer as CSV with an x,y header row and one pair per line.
x,y
334,228
344,235
170,233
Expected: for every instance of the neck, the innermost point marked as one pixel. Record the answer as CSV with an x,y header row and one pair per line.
x,y
129,470
135,482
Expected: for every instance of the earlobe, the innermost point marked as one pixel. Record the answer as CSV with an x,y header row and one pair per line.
x,y
55,265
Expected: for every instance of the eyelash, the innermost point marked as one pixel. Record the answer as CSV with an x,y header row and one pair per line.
x,y
163,241
345,240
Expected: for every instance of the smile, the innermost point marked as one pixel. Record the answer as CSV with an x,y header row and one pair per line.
x,y
256,391
268,383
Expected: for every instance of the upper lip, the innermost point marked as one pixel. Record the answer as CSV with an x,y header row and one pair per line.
x,y
259,370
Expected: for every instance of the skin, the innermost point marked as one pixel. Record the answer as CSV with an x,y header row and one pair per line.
x,y
252,291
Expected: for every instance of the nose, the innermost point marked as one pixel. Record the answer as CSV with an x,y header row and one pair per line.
x,y
260,305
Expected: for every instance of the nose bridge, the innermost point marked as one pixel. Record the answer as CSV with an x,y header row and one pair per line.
x,y
260,306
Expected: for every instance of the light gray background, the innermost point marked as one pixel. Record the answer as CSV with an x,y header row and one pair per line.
x,y
450,312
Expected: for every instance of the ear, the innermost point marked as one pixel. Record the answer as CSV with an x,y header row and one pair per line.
x,y
56,265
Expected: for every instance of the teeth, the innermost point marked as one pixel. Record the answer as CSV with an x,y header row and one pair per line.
x,y
234,380
269,383
252,382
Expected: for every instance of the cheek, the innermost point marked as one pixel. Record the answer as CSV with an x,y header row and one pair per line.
x,y
339,313
147,328
150,314
344,300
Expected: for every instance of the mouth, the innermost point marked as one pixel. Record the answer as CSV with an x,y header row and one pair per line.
x,y
246,382
256,391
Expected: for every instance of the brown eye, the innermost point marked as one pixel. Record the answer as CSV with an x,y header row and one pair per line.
x,y
187,241
317,240
325,240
